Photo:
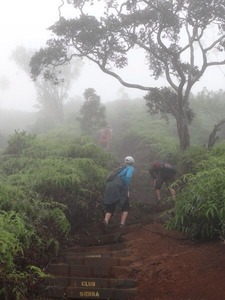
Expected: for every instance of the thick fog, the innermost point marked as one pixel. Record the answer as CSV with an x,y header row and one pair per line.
x,y
25,22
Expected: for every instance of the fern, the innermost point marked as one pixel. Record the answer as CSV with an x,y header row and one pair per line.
x,y
199,209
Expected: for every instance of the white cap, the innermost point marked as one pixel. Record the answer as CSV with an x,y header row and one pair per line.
x,y
129,159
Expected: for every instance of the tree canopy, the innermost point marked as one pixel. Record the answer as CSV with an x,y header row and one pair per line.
x,y
179,38
92,113
51,95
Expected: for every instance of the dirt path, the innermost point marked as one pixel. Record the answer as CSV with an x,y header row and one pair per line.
x,y
162,264
169,267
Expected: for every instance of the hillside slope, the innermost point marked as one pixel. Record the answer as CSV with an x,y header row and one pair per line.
x,y
168,267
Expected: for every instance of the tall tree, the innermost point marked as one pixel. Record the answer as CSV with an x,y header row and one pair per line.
x,y
92,113
176,36
51,95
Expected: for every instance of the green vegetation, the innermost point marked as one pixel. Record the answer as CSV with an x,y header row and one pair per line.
x,y
49,186
92,113
200,205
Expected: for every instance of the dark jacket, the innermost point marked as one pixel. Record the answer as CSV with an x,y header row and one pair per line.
x,y
117,189
162,169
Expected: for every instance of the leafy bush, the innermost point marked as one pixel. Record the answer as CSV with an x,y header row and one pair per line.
x,y
18,142
14,241
200,206
189,159
76,183
49,189
14,238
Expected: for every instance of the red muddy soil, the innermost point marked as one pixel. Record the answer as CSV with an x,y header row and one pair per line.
x,y
167,266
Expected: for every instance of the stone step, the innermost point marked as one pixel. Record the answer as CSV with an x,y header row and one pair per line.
x,y
89,293
99,248
101,239
98,261
90,282
119,253
125,229
114,235
66,270
94,269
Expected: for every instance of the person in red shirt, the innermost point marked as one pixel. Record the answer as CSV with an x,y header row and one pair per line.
x,y
105,137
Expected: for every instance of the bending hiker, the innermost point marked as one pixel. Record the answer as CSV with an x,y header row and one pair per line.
x,y
163,172
117,192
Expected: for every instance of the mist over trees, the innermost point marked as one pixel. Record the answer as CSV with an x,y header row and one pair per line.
x,y
53,169
209,117
4,84
51,96
176,37
52,183
126,117
92,113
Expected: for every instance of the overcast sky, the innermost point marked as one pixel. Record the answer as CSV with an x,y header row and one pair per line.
x,y
24,23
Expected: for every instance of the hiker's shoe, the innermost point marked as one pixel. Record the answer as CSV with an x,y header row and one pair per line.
x,y
123,228
104,227
117,237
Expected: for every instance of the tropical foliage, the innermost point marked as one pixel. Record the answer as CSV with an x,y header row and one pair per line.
x,y
49,188
200,206
51,185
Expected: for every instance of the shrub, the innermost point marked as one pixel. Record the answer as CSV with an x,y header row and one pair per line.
x,y
200,206
18,142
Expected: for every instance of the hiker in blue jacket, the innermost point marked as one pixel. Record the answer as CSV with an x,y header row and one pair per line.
x,y
117,193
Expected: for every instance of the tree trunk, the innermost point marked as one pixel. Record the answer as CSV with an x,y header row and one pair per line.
x,y
213,138
183,133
